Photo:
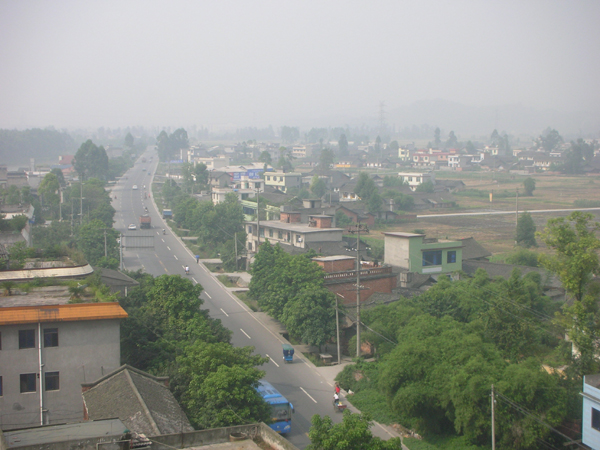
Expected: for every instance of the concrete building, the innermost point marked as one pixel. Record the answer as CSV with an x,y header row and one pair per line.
x,y
283,181
414,253
290,231
590,422
47,352
415,179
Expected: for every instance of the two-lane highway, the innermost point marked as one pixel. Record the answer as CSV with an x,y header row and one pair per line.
x,y
309,392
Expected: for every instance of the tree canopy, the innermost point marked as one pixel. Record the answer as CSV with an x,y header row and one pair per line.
x,y
526,231
91,161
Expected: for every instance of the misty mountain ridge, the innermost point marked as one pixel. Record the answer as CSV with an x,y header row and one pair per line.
x,y
468,120
471,121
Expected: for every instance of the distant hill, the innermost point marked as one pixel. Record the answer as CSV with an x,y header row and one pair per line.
x,y
17,147
471,120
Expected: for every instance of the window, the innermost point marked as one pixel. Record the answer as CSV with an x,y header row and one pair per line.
x,y
26,339
27,382
595,419
51,381
279,236
432,258
261,232
451,257
249,229
270,233
51,337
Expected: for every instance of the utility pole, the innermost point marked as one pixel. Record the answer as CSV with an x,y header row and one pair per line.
x,y
59,204
257,222
337,328
357,229
493,421
105,254
81,200
121,250
235,246
516,216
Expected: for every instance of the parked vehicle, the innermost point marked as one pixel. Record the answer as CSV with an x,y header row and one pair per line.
x,y
132,226
167,214
145,221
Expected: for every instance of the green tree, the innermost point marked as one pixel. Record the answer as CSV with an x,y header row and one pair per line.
x,y
426,187
529,186
129,140
317,186
342,220
343,145
90,240
310,316
265,157
575,244
290,134
352,434
470,148
326,158
549,139
59,176
452,141
393,148
91,161
218,385
437,136
201,174
523,257
49,190
526,231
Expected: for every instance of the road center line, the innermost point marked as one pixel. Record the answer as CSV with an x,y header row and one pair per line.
x,y
248,336
302,389
272,360
207,294
223,311
194,280
175,256
169,248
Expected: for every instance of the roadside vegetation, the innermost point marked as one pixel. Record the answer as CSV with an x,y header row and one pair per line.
x,y
438,354
168,334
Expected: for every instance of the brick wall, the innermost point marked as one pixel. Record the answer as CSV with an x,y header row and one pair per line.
x,y
383,284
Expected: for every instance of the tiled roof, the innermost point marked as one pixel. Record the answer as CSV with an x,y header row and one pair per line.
x,y
140,400
61,313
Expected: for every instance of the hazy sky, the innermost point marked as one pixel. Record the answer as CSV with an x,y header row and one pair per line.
x,y
255,63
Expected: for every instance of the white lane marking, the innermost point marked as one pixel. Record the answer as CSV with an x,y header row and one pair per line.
x,y
248,336
194,280
223,311
272,360
207,294
162,239
174,256
169,248
302,389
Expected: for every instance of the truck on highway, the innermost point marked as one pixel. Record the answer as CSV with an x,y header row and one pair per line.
x,y
167,214
145,221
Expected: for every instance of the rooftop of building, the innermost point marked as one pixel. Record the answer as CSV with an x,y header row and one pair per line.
x,y
59,433
333,258
298,227
142,401
14,315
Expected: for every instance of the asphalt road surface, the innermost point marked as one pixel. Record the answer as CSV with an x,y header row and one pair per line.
x,y
299,382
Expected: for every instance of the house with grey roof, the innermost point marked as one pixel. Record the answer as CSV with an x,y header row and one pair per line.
x,y
141,401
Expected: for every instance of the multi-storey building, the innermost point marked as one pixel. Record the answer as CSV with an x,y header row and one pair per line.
x,y
47,351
